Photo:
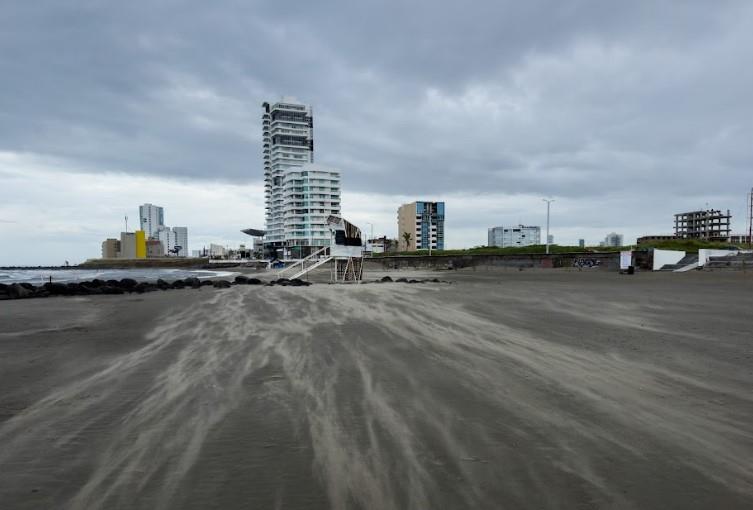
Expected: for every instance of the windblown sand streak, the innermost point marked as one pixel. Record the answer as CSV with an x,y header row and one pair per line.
x,y
395,397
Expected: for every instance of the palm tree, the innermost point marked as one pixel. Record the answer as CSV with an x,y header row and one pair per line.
x,y
407,238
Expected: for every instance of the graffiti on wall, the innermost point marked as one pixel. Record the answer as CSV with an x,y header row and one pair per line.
x,y
586,262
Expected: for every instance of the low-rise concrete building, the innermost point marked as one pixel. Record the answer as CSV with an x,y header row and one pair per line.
x,y
217,250
382,245
154,249
709,224
132,245
740,239
647,239
505,237
110,249
127,245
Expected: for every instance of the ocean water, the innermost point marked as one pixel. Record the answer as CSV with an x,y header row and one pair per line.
x,y
40,276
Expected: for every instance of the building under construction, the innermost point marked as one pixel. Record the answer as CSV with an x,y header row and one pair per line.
x,y
710,225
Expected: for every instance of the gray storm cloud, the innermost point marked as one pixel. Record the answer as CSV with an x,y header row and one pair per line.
x,y
626,102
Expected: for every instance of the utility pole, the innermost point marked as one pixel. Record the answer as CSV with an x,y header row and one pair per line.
x,y
548,204
750,219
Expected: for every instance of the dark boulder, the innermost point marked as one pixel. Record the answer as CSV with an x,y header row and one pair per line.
x,y
18,291
206,283
221,284
192,282
91,288
385,279
111,289
254,281
113,283
297,282
282,281
76,289
402,280
27,286
178,284
415,281
241,280
128,283
142,287
96,283
162,284
56,289
4,288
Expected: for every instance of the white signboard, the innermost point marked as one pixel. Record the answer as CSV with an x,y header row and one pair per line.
x,y
626,259
664,257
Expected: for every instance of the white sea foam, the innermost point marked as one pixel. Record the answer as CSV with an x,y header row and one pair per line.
x,y
40,276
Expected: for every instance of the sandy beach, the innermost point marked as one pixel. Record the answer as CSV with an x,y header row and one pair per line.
x,y
500,389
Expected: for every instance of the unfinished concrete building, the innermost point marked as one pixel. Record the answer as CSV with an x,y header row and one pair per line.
x,y
710,224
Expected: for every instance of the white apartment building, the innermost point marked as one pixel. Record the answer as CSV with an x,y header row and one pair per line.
x,y
152,220
181,239
521,235
172,239
298,195
217,250
310,194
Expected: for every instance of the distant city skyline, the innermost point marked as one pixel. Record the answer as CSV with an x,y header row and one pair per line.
x,y
626,113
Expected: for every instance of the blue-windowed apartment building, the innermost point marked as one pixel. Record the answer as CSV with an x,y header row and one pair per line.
x,y
421,225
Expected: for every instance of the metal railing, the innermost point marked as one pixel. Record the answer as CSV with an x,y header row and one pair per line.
x,y
313,259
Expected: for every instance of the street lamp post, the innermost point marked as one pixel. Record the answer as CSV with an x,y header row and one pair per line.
x,y
430,213
372,230
371,239
548,204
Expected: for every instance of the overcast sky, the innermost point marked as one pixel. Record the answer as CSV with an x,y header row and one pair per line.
x,y
623,112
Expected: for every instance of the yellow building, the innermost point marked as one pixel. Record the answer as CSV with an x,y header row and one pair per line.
x,y
140,244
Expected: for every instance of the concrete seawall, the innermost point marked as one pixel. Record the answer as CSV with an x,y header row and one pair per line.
x,y
162,262
604,261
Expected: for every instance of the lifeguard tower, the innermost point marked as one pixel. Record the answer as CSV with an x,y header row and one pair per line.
x,y
345,254
346,251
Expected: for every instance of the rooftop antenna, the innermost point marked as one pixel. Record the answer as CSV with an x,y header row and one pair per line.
x,y
126,223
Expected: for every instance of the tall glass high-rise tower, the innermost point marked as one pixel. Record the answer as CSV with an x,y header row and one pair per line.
x,y
298,194
151,219
288,142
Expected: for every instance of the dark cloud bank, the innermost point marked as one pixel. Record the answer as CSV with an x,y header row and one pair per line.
x,y
641,103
